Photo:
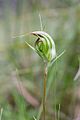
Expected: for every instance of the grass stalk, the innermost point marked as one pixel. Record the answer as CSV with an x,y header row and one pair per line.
x,y
1,113
59,113
44,90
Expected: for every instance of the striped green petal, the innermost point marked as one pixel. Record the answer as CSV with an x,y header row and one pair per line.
x,y
45,45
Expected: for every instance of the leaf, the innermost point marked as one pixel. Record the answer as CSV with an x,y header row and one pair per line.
x,y
57,57
34,118
30,46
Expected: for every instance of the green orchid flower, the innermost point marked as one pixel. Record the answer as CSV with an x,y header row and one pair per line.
x,y
44,46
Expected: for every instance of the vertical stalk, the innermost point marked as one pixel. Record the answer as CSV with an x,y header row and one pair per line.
x,y
44,90
1,113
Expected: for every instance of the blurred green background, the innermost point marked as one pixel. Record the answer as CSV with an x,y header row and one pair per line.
x,y
21,70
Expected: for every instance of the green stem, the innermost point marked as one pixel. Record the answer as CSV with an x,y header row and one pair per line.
x,y
44,91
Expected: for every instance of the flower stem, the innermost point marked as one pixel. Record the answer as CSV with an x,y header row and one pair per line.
x,y
44,90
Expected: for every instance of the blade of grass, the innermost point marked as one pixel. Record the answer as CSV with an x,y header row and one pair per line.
x,y
23,35
1,113
59,113
34,118
41,25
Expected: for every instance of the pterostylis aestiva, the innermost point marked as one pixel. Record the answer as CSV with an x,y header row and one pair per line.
x,y
44,46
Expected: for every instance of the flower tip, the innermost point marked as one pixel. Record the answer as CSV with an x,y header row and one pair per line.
x,y
34,33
